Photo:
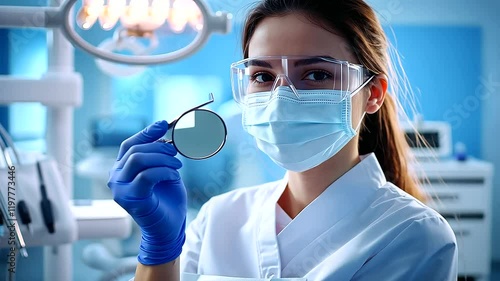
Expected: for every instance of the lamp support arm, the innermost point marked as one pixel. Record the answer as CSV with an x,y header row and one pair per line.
x,y
30,17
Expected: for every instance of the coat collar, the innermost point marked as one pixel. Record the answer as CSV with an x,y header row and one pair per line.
x,y
347,194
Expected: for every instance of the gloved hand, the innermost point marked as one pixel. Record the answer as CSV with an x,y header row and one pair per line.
x,y
146,183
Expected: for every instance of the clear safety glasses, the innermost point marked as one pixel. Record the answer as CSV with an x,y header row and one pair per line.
x,y
266,73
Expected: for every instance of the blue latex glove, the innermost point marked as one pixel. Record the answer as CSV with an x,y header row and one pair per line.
x,y
146,183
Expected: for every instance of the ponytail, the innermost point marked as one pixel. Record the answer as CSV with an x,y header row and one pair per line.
x,y
381,134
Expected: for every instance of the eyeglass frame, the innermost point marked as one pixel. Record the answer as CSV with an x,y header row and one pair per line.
x,y
366,72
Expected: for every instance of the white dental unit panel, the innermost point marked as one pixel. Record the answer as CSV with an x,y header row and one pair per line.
x,y
461,191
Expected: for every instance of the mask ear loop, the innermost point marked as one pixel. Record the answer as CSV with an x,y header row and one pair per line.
x,y
360,121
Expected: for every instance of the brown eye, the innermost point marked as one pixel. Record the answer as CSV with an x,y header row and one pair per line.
x,y
262,77
318,76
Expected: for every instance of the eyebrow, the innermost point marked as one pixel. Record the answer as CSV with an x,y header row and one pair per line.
x,y
301,62
258,63
310,61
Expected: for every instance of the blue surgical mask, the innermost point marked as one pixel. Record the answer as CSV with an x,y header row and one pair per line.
x,y
299,134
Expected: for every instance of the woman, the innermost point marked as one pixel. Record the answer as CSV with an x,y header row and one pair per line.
x,y
313,90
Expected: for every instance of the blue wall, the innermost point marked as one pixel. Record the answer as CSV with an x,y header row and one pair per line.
x,y
443,64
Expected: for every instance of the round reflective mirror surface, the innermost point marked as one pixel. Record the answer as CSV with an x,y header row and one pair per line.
x,y
199,134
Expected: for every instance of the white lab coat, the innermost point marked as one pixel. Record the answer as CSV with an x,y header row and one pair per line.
x,y
360,228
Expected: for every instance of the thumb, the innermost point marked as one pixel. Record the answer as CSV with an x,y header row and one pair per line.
x,y
150,134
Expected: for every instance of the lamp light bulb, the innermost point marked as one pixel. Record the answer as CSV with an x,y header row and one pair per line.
x,y
84,20
178,15
159,11
94,7
195,17
111,13
88,13
136,12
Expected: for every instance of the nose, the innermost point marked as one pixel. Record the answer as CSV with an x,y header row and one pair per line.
x,y
283,81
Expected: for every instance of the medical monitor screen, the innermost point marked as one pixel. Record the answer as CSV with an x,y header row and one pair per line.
x,y
432,138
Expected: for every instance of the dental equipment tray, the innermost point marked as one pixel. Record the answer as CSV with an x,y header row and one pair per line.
x,y
97,219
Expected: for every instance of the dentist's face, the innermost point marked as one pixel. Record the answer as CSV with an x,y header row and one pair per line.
x,y
294,34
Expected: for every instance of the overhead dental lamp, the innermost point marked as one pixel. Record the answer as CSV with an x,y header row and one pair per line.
x,y
139,32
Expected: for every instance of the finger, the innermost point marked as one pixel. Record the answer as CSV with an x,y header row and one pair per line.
x,y
133,196
138,162
147,179
150,134
154,147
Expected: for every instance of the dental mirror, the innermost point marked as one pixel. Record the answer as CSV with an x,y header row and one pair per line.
x,y
197,133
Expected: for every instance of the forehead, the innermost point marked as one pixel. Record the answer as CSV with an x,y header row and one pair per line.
x,y
294,34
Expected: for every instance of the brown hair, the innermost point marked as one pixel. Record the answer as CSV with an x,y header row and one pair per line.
x,y
357,22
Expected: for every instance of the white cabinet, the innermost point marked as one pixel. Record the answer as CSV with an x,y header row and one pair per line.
x,y
461,192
